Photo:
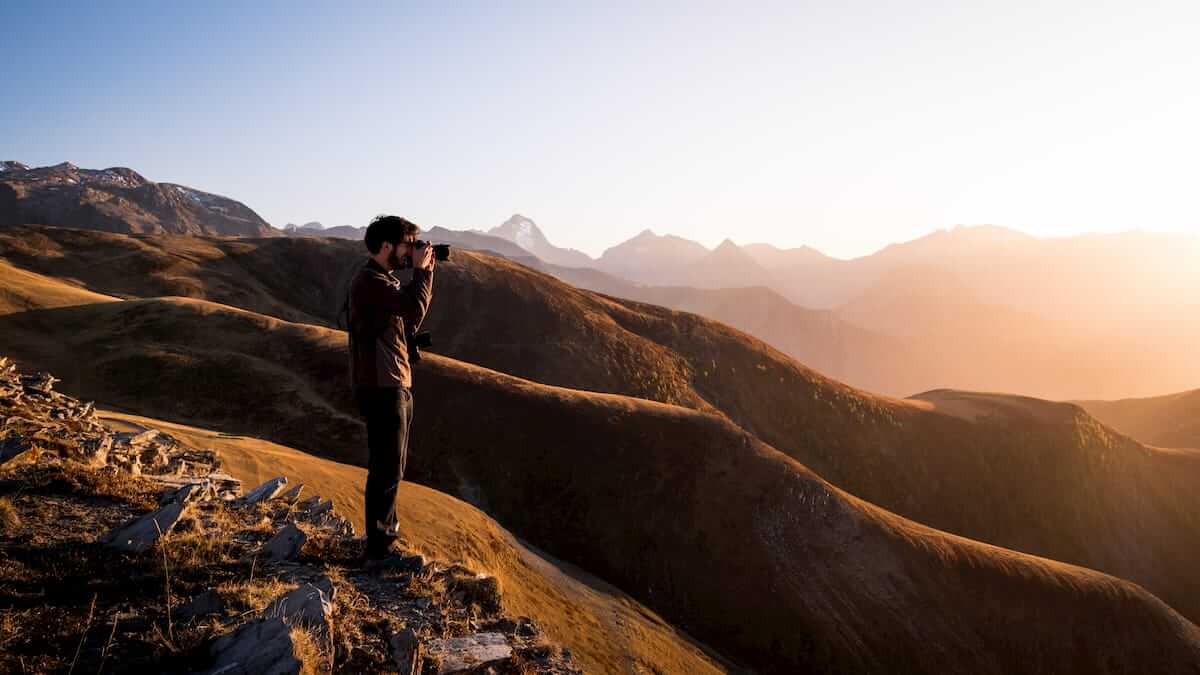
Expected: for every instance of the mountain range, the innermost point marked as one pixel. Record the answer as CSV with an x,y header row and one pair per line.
x,y
1095,317
727,487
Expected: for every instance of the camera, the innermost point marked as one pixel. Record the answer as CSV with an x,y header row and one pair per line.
x,y
440,252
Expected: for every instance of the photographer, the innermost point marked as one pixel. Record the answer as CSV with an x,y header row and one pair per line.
x,y
383,316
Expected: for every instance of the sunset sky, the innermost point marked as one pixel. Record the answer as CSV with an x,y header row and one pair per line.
x,y
844,126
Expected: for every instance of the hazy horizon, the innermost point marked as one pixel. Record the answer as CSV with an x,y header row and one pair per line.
x,y
845,129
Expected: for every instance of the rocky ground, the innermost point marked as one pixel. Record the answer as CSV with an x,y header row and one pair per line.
x,y
124,552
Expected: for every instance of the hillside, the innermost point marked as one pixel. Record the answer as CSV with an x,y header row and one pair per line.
x,y
1058,485
837,585
605,629
118,199
1171,421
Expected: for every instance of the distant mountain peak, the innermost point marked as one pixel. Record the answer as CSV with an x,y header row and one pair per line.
x,y
522,231
12,165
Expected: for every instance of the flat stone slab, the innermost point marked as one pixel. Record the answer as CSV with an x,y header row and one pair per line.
x,y
456,655
266,491
285,545
293,494
141,534
259,647
310,606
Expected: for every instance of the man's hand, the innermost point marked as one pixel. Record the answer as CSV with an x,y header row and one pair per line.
x,y
423,258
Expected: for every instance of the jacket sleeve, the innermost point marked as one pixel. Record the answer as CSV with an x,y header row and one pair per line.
x,y
410,301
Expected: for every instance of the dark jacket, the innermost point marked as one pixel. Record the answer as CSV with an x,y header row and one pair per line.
x,y
380,309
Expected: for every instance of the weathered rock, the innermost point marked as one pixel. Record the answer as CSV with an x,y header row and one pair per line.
x,y
12,446
292,495
205,604
141,534
95,450
310,606
406,652
266,491
285,545
144,437
315,506
260,647
189,492
456,655
40,383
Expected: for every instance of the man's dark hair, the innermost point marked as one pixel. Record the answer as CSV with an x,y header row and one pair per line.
x,y
392,229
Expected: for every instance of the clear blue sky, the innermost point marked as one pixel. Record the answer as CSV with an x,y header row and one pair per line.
x,y
842,125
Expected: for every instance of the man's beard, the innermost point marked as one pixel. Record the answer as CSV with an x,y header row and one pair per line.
x,y
395,261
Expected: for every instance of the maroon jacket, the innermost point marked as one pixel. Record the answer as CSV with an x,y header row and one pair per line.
x,y
380,309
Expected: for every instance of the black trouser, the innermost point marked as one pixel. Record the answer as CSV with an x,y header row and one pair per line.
x,y
388,412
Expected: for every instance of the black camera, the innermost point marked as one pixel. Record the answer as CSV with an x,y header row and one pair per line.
x,y
417,342
440,252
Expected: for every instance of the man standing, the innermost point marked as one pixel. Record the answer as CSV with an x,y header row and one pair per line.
x,y
383,313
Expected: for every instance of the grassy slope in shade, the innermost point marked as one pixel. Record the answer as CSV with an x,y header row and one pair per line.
x,y
607,631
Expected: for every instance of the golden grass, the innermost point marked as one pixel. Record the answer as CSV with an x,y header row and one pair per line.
x,y
307,651
252,595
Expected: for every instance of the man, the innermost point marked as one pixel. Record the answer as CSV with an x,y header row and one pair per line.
x,y
382,314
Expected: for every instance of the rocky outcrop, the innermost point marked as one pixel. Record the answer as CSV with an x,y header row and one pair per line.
x,y
325,609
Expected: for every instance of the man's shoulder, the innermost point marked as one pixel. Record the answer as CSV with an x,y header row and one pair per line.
x,y
369,274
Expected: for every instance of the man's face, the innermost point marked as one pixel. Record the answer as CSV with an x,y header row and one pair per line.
x,y
399,251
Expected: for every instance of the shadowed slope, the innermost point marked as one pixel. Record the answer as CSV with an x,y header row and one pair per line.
x,y
732,540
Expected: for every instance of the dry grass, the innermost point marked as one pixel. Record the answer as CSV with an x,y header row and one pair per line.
x,y
10,520
307,651
121,487
246,596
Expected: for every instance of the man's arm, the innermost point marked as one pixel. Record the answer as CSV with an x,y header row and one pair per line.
x,y
410,301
